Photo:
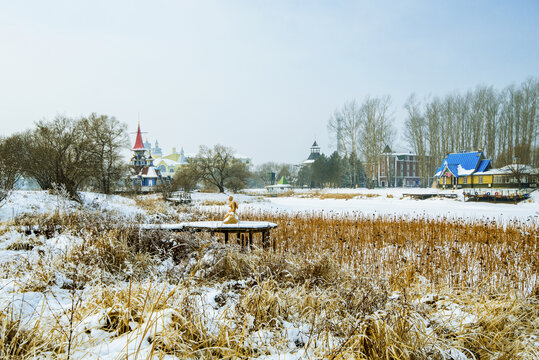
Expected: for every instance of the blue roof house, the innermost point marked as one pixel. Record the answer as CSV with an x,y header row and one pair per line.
x,y
457,169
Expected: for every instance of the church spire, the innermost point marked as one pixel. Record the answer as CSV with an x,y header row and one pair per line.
x,y
138,142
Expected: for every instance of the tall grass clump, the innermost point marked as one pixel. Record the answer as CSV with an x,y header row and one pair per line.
x,y
472,254
20,340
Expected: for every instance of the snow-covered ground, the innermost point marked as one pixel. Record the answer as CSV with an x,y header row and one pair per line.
x,y
53,303
391,202
38,202
384,202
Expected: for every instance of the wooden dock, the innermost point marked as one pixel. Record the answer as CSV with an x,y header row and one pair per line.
x,y
429,195
244,230
496,197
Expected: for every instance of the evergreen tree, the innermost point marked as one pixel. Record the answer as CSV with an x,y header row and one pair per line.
x,y
320,171
305,176
335,170
354,172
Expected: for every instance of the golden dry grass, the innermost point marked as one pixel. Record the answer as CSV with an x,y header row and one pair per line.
x,y
17,341
455,253
359,287
213,203
152,204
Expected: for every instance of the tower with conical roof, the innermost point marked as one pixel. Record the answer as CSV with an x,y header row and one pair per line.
x,y
143,171
138,161
315,154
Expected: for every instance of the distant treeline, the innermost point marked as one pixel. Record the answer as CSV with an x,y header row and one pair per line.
x,y
326,171
85,152
503,123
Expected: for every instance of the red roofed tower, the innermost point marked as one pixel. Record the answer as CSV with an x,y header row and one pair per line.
x,y
138,142
138,161
143,171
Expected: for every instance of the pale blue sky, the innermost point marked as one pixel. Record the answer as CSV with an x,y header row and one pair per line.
x,y
260,76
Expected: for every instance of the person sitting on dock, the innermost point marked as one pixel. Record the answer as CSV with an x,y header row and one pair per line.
x,y
231,217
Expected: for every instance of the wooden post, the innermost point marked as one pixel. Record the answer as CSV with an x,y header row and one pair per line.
x,y
265,239
226,237
250,240
238,238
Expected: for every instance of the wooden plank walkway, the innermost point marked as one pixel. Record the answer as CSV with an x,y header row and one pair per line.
x,y
429,195
244,230
419,196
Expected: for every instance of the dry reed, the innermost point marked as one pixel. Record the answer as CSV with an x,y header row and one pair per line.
x,y
454,253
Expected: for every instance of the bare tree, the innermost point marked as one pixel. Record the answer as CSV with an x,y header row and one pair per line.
x,y
362,129
238,176
344,127
262,176
376,131
186,177
9,171
519,123
415,130
218,165
107,137
57,153
518,171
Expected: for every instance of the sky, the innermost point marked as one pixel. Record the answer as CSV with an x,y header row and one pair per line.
x,y
262,77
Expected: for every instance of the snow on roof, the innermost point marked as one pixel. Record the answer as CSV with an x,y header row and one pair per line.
x,y
462,164
168,162
464,172
279,186
149,172
509,169
404,154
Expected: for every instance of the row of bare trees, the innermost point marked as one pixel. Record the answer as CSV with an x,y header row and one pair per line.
x,y
68,152
502,123
362,130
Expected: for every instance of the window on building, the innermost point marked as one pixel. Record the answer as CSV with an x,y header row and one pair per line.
x,y
465,180
480,179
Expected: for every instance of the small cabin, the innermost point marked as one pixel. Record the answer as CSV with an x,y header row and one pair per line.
x,y
457,169
472,170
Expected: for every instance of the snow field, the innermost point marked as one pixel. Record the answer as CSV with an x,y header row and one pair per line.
x,y
99,292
